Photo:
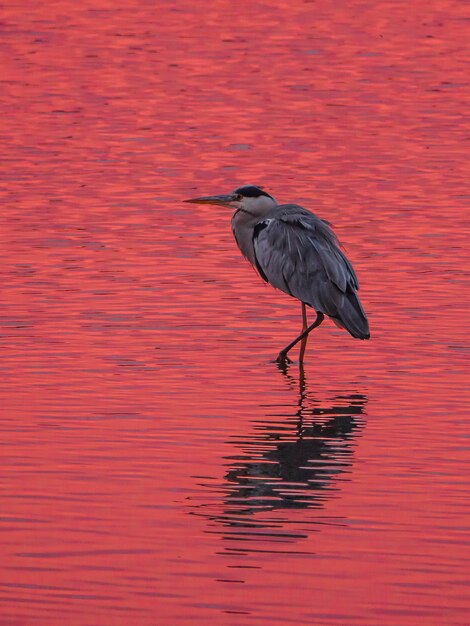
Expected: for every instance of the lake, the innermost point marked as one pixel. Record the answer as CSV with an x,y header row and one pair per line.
x,y
157,466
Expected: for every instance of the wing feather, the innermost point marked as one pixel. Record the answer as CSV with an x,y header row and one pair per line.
x,y
298,253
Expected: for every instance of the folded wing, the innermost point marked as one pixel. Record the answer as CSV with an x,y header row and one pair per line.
x,y
297,252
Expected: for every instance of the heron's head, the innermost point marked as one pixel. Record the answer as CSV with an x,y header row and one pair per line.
x,y
247,198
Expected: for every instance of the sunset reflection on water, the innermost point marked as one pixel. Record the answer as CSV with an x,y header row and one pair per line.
x,y
157,467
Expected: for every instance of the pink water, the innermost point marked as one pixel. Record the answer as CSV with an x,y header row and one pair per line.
x,y
156,466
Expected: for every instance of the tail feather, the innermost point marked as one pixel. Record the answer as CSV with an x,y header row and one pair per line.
x,y
351,316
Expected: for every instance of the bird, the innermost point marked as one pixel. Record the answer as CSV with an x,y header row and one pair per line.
x,y
297,252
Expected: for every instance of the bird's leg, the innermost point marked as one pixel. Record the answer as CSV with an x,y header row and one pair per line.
x,y
303,345
282,356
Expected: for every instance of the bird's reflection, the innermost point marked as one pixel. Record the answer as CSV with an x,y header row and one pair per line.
x,y
294,464
292,460
291,464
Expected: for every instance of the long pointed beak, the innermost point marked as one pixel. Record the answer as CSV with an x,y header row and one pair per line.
x,y
223,200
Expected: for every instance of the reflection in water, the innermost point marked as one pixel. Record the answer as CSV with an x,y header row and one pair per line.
x,y
290,464
293,464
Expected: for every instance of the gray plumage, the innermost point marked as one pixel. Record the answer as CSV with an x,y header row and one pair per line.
x,y
297,252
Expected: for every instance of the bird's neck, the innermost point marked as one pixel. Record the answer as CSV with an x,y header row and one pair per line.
x,y
243,224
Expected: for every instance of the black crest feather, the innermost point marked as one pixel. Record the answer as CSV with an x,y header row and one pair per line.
x,y
251,191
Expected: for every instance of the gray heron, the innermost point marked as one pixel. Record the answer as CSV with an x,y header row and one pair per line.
x,y
297,252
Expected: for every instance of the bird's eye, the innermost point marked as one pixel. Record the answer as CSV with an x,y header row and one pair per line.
x,y
238,197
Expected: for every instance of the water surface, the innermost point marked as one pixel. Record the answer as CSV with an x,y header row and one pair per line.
x,y
157,467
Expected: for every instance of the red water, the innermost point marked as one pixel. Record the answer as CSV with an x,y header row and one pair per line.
x,y
156,466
